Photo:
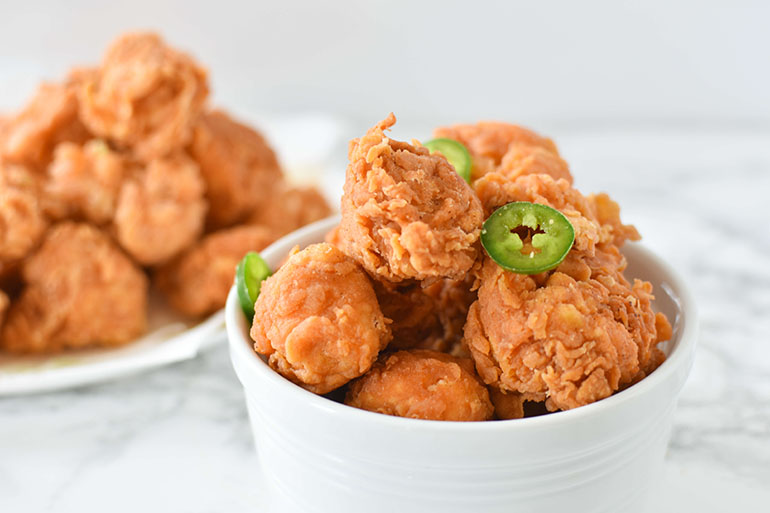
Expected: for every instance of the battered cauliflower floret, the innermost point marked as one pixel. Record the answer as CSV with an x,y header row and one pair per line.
x,y
406,214
240,169
197,282
80,291
51,117
22,223
412,312
83,182
489,141
566,341
532,160
5,302
591,227
318,321
422,384
508,405
426,316
333,237
145,95
290,208
161,209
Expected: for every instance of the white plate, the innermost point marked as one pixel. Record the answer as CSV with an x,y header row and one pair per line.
x,y
169,339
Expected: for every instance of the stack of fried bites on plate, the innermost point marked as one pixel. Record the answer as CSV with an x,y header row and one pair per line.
x,y
404,308
119,177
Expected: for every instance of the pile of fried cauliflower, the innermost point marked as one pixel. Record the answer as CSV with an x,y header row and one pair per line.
x,y
120,179
402,312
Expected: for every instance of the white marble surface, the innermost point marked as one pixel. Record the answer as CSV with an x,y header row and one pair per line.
x,y
177,439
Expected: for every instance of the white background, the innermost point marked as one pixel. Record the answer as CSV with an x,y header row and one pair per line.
x,y
556,63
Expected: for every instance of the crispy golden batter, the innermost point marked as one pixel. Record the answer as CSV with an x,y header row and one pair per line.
x,y
422,384
608,214
333,237
591,227
406,214
574,335
161,209
197,282
531,160
5,302
50,117
81,290
489,141
145,95
289,208
426,316
83,182
566,341
412,312
508,405
318,321
240,168
22,223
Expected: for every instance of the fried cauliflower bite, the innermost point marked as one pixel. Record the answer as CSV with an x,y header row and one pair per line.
x,y
406,214
5,302
80,290
197,282
488,142
426,316
290,208
532,160
422,384
83,182
596,219
51,117
160,209
317,320
333,237
145,96
566,341
412,312
22,223
508,405
240,169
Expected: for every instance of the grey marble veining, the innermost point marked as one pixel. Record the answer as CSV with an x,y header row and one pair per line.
x,y
177,439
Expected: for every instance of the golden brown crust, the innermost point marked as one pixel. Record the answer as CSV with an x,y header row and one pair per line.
x,y
197,282
522,160
145,95
426,316
51,117
566,341
508,405
240,169
160,209
334,238
83,182
422,384
318,321
406,214
495,190
290,208
22,223
80,291
5,302
489,141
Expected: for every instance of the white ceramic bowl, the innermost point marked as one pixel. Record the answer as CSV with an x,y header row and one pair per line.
x,y
322,456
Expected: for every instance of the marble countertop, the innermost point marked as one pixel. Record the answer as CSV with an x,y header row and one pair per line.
x,y
177,439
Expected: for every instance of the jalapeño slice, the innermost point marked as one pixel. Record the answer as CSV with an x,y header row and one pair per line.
x,y
252,270
527,238
455,153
